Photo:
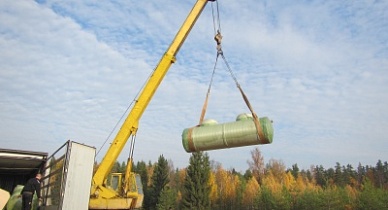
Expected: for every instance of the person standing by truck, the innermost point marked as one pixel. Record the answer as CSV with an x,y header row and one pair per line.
x,y
32,186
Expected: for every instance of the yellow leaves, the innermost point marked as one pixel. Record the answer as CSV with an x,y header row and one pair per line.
x,y
277,168
179,196
353,182
231,189
251,191
227,187
302,184
227,183
150,172
213,188
289,181
271,183
351,192
182,175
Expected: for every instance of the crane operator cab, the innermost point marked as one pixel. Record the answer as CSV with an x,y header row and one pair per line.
x,y
116,183
129,192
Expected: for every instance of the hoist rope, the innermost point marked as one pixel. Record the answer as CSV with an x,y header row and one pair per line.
x,y
124,113
218,17
217,38
216,20
114,128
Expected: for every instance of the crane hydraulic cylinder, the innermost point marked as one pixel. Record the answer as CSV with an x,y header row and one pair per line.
x,y
212,136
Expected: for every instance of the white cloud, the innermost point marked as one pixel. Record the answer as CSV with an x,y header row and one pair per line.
x,y
68,69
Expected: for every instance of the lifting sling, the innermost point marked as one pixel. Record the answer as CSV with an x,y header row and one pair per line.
x,y
208,141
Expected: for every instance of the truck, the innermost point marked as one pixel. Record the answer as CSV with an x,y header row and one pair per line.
x,y
65,173
16,167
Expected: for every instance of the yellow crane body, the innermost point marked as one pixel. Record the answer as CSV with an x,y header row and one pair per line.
x,y
103,197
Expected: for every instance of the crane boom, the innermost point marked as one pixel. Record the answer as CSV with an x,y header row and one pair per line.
x,y
101,196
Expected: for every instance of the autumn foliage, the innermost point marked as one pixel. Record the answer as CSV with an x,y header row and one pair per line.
x,y
272,186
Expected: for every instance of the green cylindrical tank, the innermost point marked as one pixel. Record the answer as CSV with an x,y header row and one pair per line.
x,y
15,202
211,136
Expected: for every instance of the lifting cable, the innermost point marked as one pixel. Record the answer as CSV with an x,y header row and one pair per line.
x,y
218,39
114,128
132,147
216,21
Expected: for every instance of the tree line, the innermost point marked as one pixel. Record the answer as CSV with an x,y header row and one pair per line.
x,y
205,184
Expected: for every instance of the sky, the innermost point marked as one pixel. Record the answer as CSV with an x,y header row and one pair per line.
x,y
318,69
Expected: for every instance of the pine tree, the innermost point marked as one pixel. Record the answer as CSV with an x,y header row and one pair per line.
x,y
379,174
385,168
158,182
141,169
116,167
196,188
167,199
361,172
320,176
248,174
295,170
338,176
123,167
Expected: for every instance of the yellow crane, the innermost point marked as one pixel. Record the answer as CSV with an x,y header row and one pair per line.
x,y
128,194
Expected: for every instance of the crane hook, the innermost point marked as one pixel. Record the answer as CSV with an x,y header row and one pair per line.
x,y
218,39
